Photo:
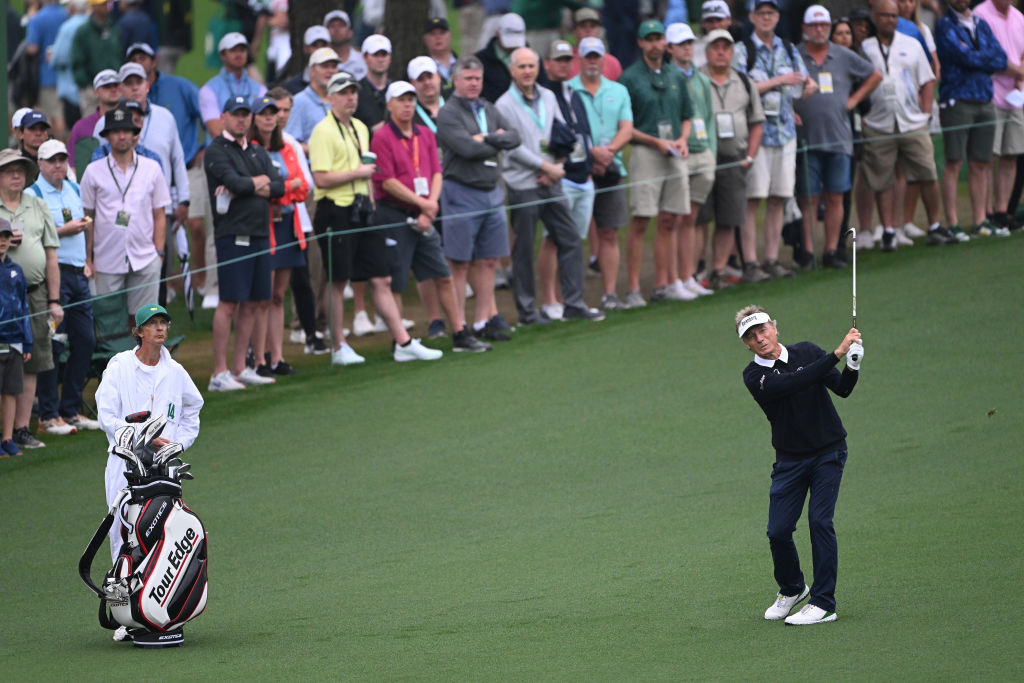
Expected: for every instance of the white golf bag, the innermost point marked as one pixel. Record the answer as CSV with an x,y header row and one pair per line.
x,y
159,580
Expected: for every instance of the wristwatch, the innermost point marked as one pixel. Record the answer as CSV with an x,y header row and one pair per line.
x,y
749,159
53,301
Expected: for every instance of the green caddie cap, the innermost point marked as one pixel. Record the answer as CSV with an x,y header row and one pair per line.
x,y
650,26
143,315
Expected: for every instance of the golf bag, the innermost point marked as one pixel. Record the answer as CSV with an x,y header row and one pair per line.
x,y
159,580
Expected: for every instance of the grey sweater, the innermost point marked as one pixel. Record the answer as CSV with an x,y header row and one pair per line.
x,y
464,159
523,164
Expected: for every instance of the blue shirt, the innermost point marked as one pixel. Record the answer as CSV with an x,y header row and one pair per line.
x,y
777,130
72,248
307,111
181,97
14,304
909,28
42,31
61,63
137,27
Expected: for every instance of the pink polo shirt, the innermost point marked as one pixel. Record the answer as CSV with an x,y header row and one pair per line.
x,y
395,159
1009,31
107,190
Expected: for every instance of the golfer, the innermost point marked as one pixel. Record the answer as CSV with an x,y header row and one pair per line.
x,y
790,383
145,378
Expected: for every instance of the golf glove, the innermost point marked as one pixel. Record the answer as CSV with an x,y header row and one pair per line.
x,y
854,356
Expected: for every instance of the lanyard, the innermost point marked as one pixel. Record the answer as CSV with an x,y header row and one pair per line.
x,y
721,91
538,118
123,192
415,152
355,137
425,116
885,55
481,116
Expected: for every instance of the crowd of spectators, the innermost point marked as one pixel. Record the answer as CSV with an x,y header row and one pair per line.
x,y
335,181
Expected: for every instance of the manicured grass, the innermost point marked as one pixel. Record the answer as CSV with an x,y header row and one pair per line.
x,y
587,502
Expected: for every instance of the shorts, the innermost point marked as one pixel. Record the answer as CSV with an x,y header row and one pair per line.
x,y
828,171
247,276
610,209
198,194
475,223
1009,133
12,372
702,176
357,256
913,151
287,253
50,104
727,203
978,140
412,250
42,349
659,183
773,173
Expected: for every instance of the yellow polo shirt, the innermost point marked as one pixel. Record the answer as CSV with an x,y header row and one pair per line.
x,y
330,150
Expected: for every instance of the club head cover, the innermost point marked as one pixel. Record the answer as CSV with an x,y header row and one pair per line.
x,y
150,431
169,451
125,436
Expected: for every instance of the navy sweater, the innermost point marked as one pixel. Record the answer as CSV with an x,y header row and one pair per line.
x,y
794,398
967,63
14,304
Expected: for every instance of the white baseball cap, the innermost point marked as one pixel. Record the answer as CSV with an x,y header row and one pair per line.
x,y
18,116
340,81
337,14
231,40
51,148
751,320
715,9
315,33
131,69
322,55
591,45
679,33
105,77
816,14
375,43
512,31
397,89
419,66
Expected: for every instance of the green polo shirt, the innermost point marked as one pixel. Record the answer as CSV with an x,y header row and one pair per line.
x,y
657,96
33,218
699,90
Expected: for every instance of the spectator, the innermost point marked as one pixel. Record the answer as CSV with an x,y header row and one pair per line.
x,y
81,143
587,24
437,38
136,26
471,23
33,247
497,56
135,109
242,181
97,46
313,39
15,338
340,173
779,72
701,145
312,104
42,34
739,120
175,34
533,175
339,25
661,126
825,166
60,61
896,108
407,188
970,55
61,414
126,196
372,88
233,81
610,115
715,14
475,228
544,19
34,131
1007,25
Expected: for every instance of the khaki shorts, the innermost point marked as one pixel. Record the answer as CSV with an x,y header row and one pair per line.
x,y
42,348
773,173
198,194
1009,140
702,176
50,104
912,150
659,183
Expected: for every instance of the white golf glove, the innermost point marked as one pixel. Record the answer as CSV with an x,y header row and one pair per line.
x,y
854,356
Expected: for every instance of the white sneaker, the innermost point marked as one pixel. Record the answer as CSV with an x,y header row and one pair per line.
x,y
865,240
346,355
783,605
224,381
912,231
347,294
415,351
682,292
694,286
811,614
250,377
210,301
56,426
553,311
297,337
902,239
361,325
877,234
121,634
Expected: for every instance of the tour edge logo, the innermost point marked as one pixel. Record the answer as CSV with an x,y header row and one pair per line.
x,y
182,549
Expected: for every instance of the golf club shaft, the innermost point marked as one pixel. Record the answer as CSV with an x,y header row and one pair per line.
x,y
854,264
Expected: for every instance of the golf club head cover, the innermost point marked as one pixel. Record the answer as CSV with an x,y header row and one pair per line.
x,y
130,457
854,356
125,436
167,452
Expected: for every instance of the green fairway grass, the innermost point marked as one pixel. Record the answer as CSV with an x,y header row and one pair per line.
x,y
587,502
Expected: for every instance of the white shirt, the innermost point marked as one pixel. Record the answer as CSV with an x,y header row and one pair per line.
x,y
894,103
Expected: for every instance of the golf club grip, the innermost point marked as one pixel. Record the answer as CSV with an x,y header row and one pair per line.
x,y
135,418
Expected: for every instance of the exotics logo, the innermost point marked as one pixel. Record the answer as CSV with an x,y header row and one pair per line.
x,y
178,554
159,515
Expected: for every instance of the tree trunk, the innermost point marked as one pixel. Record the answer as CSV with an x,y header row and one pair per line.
x,y
302,15
403,24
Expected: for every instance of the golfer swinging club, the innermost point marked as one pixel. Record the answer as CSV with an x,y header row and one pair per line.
x,y
790,384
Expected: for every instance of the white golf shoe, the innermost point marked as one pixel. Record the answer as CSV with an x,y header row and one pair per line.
x,y
783,605
346,355
811,614
415,351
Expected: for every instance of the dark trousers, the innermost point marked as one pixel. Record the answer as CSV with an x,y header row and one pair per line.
x,y
305,302
78,324
791,480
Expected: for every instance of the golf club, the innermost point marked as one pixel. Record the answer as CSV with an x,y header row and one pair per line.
x,y
853,263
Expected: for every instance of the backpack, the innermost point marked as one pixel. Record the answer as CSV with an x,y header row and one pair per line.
x,y
159,581
752,52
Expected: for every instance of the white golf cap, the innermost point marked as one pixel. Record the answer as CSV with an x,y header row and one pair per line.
x,y
341,81
751,320
322,55
375,43
512,31
419,66
18,116
105,77
139,47
720,34
337,14
50,149
679,33
715,9
816,14
397,89
231,40
315,33
131,69
592,45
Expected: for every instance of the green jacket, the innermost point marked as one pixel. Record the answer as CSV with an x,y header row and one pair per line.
x,y
545,14
94,49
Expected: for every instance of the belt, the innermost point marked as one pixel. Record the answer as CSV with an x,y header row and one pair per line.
x,y
32,288
74,269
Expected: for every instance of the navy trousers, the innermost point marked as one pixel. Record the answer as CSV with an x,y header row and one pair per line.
x,y
791,481
74,289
